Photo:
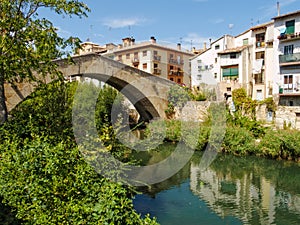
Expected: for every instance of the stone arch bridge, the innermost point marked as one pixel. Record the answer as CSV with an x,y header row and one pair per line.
x,y
147,92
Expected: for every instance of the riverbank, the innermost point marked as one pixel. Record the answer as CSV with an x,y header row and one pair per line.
x,y
244,136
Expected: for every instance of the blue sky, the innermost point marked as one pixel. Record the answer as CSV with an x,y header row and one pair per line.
x,y
189,22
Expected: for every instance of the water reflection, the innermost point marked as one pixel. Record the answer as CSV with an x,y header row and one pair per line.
x,y
252,190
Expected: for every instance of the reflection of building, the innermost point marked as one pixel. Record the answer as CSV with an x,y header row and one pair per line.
x,y
252,199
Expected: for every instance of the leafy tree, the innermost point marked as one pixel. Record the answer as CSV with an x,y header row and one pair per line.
x,y
29,43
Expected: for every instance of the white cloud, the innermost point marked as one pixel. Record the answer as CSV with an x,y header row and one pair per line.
x,y
218,21
195,40
123,22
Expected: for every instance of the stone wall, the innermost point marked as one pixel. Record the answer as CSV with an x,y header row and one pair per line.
x,y
194,111
288,115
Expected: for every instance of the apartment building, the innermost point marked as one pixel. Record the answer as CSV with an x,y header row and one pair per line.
x,y
154,58
287,40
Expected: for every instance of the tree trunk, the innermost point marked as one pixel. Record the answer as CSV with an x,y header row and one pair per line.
x,y
3,107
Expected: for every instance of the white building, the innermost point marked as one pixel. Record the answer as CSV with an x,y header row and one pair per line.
x,y
287,40
239,61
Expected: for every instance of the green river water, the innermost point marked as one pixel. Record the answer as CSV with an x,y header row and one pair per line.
x,y
233,190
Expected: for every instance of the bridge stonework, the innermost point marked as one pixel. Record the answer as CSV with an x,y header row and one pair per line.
x,y
147,92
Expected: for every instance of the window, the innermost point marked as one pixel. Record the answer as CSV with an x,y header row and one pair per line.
x,y
199,77
127,56
228,89
155,53
245,41
290,27
260,37
259,55
155,65
288,79
136,55
144,53
230,72
233,55
217,47
216,75
288,49
216,60
258,78
291,103
120,57
171,56
259,95
178,80
144,66
171,79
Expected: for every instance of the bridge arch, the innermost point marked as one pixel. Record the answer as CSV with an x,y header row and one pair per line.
x,y
147,92
140,101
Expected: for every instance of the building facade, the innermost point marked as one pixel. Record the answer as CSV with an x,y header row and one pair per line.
x,y
151,57
287,76
239,61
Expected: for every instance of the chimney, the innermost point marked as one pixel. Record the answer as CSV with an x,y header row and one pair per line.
x,y
278,9
179,46
204,46
152,39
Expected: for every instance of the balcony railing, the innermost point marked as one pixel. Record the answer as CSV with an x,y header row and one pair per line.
x,y
176,72
289,37
289,58
176,61
156,57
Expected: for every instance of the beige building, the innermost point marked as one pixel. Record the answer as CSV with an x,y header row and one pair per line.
x,y
167,62
154,58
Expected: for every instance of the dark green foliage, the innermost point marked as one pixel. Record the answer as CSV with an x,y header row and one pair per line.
x,y
283,144
238,140
43,176
45,113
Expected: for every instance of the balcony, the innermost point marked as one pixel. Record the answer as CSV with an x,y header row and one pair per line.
x,y
176,61
157,71
176,72
288,88
135,61
289,59
289,37
260,44
156,58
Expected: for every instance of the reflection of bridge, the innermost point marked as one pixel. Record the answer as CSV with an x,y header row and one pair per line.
x,y
148,93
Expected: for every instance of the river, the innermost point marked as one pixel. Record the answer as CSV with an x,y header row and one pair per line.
x,y
233,190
